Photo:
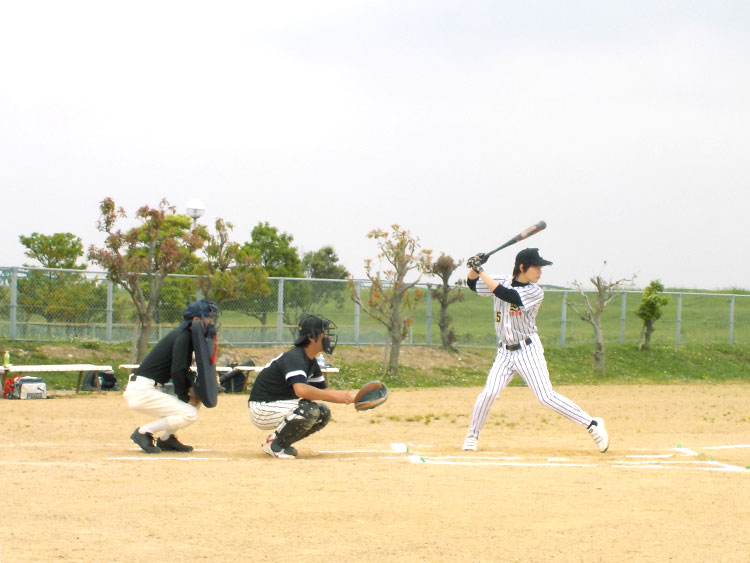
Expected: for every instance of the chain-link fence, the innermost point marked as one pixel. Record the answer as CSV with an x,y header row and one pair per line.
x,y
52,304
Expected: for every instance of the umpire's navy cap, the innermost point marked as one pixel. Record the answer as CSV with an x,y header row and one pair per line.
x,y
530,257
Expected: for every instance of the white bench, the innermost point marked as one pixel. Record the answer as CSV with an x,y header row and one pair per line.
x,y
226,369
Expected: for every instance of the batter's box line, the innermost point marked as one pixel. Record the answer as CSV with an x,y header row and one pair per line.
x,y
497,462
681,464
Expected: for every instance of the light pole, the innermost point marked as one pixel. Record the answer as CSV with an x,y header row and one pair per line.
x,y
195,209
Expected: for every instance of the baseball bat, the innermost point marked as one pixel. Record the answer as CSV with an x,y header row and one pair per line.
x,y
526,233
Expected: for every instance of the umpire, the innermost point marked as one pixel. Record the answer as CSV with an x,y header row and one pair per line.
x,y
169,360
285,396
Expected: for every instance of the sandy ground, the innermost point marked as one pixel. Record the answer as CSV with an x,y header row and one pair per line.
x,y
390,484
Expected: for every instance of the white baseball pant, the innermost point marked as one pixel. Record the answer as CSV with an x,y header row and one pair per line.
x,y
530,364
142,395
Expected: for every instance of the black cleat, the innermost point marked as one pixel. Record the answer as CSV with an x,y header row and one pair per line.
x,y
172,444
145,442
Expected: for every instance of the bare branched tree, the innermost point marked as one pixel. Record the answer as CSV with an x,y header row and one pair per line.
x,y
591,311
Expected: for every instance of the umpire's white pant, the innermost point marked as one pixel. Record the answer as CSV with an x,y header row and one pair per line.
x,y
142,395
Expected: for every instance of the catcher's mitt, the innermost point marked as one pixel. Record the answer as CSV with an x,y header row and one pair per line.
x,y
370,396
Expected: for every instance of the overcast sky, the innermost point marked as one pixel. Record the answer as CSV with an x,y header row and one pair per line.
x,y
623,125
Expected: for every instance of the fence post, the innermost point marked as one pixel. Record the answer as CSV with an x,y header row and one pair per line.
x,y
280,313
679,318
622,317
563,319
357,288
731,319
429,314
13,302
110,292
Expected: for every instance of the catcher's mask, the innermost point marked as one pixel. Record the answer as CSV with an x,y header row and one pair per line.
x,y
312,326
203,309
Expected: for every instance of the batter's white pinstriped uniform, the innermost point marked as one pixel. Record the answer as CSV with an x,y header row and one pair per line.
x,y
516,326
516,303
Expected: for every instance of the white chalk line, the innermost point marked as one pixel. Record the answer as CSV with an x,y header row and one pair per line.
x,y
433,461
643,461
160,457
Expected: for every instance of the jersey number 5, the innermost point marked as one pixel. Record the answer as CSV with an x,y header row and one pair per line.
x,y
498,316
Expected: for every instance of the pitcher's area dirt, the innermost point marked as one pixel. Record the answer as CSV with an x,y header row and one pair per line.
x,y
390,484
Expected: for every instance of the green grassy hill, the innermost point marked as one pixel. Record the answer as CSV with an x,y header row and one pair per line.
x,y
432,367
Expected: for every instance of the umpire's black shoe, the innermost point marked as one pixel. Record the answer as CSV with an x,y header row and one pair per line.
x,y
172,444
145,442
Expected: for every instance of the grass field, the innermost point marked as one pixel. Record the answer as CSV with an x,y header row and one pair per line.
x,y
431,367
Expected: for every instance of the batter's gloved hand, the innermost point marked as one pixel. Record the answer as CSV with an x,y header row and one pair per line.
x,y
481,258
475,262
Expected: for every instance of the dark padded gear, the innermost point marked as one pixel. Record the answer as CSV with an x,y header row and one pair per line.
x,y
201,309
307,418
323,419
310,326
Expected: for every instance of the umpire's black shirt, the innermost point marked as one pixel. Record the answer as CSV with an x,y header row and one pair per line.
x,y
170,359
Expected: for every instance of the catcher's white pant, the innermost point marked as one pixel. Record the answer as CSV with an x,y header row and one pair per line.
x,y
530,364
142,395
268,416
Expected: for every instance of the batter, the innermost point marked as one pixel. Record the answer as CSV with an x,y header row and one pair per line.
x,y
516,303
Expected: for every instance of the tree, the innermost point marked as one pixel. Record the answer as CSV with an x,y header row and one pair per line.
x,y
59,250
229,269
391,300
140,259
592,312
650,310
58,296
443,268
275,251
279,259
323,264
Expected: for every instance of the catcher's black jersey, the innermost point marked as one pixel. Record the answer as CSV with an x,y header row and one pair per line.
x,y
275,382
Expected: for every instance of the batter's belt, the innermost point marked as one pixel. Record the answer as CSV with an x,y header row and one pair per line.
x,y
517,346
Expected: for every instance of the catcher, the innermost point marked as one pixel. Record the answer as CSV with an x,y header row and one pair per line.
x,y
287,395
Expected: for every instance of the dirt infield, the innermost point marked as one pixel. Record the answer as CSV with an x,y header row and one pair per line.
x,y
390,484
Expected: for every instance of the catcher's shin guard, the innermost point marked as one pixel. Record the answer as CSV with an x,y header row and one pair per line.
x,y
323,419
298,423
